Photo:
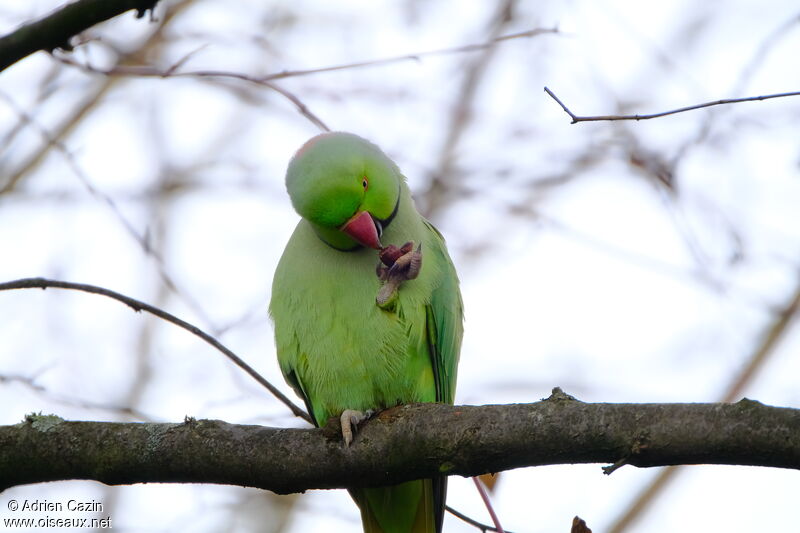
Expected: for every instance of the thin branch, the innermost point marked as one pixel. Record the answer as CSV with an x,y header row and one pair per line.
x,y
400,444
413,56
266,81
488,503
56,29
590,118
480,525
151,72
138,306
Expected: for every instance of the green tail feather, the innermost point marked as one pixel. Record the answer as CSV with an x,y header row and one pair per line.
x,y
411,507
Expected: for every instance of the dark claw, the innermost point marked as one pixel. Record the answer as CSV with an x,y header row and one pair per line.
x,y
396,266
390,254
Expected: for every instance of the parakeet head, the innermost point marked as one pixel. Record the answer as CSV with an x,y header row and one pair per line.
x,y
346,187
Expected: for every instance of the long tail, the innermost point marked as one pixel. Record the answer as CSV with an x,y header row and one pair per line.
x,y
412,507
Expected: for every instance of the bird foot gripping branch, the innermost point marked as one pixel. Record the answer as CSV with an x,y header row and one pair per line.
x,y
349,420
397,265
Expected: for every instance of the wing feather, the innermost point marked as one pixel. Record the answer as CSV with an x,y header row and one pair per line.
x,y
445,327
445,324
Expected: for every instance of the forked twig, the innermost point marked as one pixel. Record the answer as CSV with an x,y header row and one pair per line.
x,y
594,118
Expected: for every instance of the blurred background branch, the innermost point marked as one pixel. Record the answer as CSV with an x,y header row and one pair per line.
x,y
442,181
773,333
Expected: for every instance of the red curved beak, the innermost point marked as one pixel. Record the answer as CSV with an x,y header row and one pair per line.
x,y
362,228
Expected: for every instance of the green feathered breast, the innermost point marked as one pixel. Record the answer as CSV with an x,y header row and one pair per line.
x,y
336,347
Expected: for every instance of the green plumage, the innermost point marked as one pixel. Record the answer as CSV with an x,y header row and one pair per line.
x,y
336,347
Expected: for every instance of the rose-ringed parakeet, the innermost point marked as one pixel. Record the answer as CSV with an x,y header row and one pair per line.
x,y
352,338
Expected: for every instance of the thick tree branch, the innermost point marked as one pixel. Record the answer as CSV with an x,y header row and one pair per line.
x,y
56,29
403,443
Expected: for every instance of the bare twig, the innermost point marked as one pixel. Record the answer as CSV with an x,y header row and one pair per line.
x,y
593,118
757,60
56,29
138,306
151,72
413,56
488,503
471,521
266,81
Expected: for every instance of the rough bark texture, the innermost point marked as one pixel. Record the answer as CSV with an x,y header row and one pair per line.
x,y
400,444
56,29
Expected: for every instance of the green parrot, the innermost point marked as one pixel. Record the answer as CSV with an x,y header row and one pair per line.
x,y
352,338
